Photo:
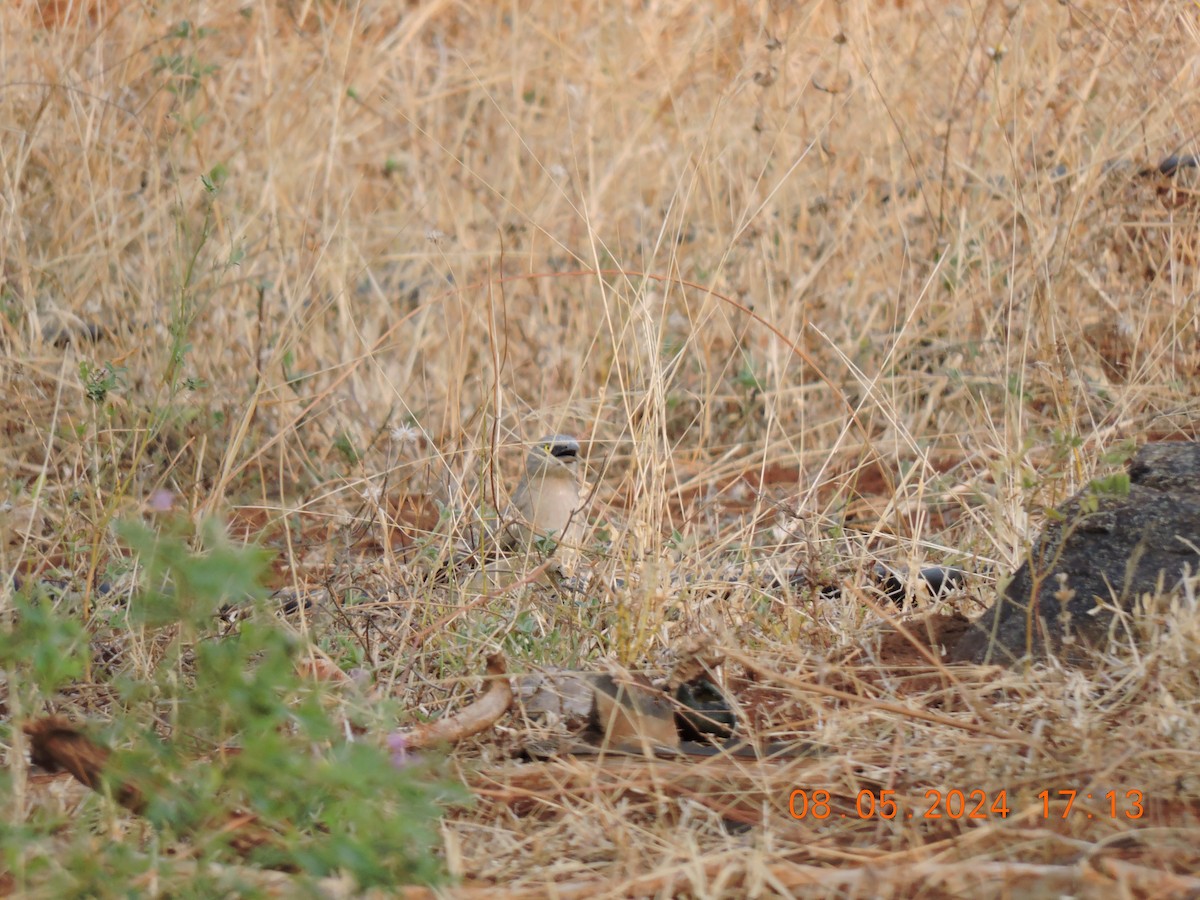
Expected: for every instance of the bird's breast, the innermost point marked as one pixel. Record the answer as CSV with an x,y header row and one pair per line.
x,y
553,505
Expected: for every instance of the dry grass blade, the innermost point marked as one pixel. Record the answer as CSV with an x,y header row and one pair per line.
x,y
770,676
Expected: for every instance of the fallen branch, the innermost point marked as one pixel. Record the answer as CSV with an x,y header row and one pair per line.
x,y
471,719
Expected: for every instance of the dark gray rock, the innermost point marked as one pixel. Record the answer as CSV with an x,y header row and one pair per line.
x,y
1102,548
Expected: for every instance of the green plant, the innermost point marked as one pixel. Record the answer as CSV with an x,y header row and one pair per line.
x,y
100,380
41,650
223,728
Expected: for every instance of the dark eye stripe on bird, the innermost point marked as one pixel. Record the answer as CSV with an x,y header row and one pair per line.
x,y
561,446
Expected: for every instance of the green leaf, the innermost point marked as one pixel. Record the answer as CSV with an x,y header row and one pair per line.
x,y
1114,485
53,649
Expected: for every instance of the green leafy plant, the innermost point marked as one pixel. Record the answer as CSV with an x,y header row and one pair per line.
x,y
100,380
1116,485
42,650
222,729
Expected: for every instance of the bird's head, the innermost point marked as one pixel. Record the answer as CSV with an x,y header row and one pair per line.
x,y
555,454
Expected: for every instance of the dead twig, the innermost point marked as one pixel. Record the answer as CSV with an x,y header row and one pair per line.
x,y
471,719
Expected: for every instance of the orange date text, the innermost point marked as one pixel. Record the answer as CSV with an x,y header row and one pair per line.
x,y
883,804
965,804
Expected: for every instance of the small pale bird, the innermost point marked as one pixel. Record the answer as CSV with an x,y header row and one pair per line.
x,y
547,500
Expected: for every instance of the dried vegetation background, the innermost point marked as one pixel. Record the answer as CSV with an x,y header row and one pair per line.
x,y
819,285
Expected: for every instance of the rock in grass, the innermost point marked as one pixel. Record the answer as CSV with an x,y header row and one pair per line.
x,y
1104,548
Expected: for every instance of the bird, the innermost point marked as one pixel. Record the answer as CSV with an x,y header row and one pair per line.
x,y
547,500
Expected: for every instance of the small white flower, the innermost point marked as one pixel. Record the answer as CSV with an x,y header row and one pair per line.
x,y
405,435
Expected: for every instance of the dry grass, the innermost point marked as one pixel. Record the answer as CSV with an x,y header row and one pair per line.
x,y
818,285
